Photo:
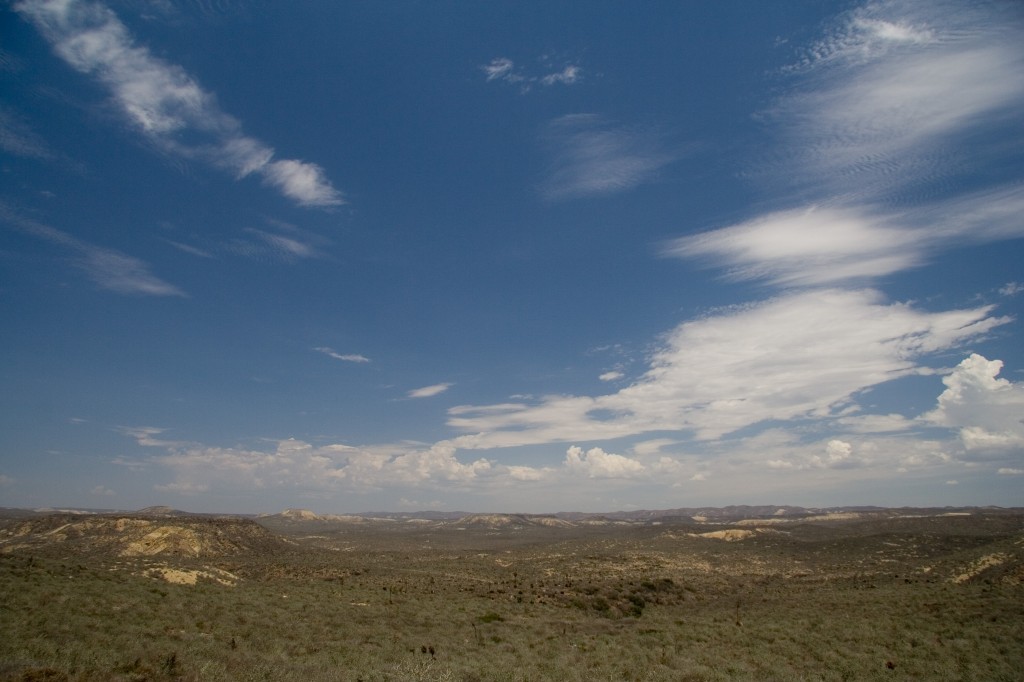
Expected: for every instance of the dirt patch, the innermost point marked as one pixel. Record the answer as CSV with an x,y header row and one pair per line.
x,y
180,576
984,563
730,535
166,540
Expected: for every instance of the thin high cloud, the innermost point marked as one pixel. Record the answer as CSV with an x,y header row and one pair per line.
x,y
429,391
344,357
17,137
592,156
900,92
107,268
888,110
828,245
162,101
503,69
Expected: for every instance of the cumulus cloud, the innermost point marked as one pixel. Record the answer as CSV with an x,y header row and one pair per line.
x,y
612,375
838,455
102,491
297,465
987,410
428,391
592,156
596,463
797,356
163,102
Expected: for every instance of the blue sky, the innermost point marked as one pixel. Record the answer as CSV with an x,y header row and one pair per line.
x,y
510,256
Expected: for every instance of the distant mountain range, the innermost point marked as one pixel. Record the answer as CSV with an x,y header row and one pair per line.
x,y
729,514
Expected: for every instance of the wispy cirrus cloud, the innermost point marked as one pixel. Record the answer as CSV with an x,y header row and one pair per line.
x,y
164,103
269,245
429,391
17,136
828,245
108,268
886,112
189,249
504,70
592,156
345,357
901,93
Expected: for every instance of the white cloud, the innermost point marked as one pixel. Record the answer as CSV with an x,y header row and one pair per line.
x,y
567,76
1011,289
784,452
653,446
869,33
288,247
122,273
102,491
592,156
888,109
304,182
147,436
429,391
612,375
189,249
821,245
875,423
296,465
161,100
183,488
499,67
108,268
797,356
900,82
987,410
596,463
18,138
1008,471
838,455
809,246
346,357
523,473
504,69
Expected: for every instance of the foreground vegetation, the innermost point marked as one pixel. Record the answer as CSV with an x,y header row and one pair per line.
x,y
817,601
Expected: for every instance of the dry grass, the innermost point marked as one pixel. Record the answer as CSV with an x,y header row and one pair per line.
x,y
838,602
